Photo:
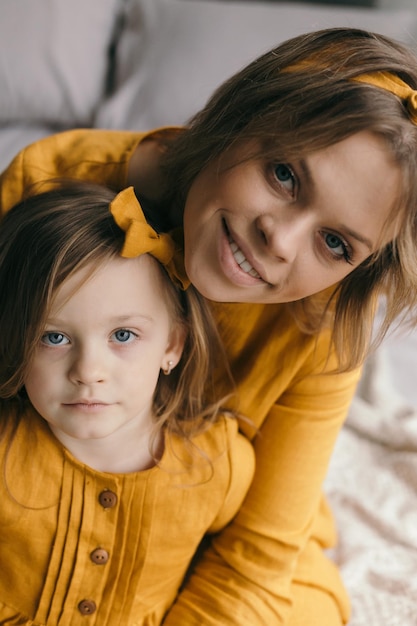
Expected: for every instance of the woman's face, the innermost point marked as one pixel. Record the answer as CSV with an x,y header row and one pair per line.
x,y
264,232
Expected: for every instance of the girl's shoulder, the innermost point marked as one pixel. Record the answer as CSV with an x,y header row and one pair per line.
x,y
218,450
223,436
27,450
235,461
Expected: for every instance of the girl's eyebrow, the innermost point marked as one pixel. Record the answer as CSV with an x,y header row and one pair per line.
x,y
132,316
116,319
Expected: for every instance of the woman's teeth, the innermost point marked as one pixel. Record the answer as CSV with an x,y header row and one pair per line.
x,y
242,261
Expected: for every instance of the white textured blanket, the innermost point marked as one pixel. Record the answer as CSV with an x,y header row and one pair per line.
x,y
372,486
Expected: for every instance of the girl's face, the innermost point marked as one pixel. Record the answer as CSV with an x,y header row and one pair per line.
x,y
264,232
105,341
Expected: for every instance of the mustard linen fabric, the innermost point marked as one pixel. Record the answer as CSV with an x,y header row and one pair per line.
x,y
255,572
71,535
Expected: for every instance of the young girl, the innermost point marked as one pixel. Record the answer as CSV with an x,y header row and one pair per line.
x,y
112,470
297,189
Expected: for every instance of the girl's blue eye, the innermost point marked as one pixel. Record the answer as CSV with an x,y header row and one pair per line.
x,y
54,339
337,246
285,176
123,335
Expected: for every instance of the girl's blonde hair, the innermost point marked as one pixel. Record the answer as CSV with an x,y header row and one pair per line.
x,y
44,240
299,98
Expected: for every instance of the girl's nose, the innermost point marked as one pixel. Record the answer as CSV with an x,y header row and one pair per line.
x,y
88,367
283,237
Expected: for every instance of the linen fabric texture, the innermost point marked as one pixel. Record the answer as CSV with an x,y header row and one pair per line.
x,y
81,546
269,566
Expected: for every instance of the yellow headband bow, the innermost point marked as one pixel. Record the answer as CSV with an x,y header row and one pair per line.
x,y
393,84
141,238
384,80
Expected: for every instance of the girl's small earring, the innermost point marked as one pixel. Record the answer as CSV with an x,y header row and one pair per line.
x,y
169,368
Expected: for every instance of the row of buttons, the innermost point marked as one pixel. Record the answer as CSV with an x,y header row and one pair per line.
x,y
99,556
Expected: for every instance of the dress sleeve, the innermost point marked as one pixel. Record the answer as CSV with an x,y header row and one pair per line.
x,y
100,156
245,577
241,461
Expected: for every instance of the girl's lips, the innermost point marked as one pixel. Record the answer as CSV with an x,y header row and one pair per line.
x,y
89,401
87,406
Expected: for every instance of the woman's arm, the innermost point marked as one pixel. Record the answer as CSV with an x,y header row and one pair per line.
x,y
100,156
272,553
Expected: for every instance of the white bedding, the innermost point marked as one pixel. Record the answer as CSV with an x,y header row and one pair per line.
x,y
372,485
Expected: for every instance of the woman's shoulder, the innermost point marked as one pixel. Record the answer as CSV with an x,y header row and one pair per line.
x,y
98,155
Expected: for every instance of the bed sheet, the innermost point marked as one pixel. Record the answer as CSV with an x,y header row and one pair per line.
x,y
372,486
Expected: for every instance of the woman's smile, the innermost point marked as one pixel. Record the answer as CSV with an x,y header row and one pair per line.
x,y
246,267
241,260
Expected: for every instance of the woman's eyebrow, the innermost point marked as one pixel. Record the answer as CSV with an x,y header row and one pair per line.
x,y
364,240
306,172
352,233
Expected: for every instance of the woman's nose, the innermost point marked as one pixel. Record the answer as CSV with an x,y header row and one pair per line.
x,y
283,237
88,366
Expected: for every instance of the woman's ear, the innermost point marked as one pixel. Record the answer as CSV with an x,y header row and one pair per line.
x,y
174,349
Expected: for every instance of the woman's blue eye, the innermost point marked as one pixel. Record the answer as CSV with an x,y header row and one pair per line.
x,y
54,339
123,335
285,176
337,246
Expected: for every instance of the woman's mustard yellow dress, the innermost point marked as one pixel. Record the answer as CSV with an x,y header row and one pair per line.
x,y
269,566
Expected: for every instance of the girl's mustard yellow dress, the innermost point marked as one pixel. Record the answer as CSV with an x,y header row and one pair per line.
x,y
80,547
268,567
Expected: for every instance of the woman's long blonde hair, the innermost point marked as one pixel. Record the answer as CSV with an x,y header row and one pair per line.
x,y
299,98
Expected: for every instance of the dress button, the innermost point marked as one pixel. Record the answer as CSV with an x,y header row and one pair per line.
x,y
99,556
107,499
87,607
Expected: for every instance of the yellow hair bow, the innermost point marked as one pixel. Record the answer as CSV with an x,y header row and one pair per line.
x,y
393,84
141,238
